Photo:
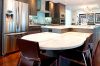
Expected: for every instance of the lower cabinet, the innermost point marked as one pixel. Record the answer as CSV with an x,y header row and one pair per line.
x,y
0,44
34,29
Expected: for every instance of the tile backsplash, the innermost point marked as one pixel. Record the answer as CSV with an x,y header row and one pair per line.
x,y
48,20
32,20
40,19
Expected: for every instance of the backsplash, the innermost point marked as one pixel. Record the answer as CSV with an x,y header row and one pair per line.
x,y
48,20
40,19
32,20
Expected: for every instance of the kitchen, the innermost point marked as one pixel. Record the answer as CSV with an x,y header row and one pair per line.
x,y
22,17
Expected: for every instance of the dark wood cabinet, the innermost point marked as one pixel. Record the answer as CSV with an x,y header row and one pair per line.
x,y
49,7
34,29
32,7
1,24
0,44
59,14
56,10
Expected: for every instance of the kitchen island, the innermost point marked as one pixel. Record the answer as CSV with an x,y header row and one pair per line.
x,y
63,29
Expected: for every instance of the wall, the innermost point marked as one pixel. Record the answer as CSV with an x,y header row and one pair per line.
x,y
68,16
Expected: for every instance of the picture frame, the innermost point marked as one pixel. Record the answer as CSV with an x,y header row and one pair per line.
x,y
97,17
82,17
91,17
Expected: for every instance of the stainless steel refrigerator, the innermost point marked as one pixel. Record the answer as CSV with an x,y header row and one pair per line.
x,y
15,23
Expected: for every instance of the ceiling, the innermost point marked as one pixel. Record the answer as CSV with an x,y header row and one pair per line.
x,y
76,2
79,4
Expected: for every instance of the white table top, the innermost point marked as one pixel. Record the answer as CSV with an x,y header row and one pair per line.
x,y
55,41
44,36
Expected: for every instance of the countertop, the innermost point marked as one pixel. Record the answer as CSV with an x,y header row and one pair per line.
x,y
34,25
55,41
71,26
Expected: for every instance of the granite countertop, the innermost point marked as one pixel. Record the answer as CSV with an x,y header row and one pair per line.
x,y
71,26
54,27
34,25
82,26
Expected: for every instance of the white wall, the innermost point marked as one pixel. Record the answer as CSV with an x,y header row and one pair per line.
x,y
68,16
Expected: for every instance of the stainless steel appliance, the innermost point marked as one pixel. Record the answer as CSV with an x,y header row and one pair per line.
x,y
15,23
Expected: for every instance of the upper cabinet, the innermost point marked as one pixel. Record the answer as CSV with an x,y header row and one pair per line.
x,y
59,13
32,7
47,5
49,9
56,11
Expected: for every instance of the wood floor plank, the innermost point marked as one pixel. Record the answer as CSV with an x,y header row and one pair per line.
x,y
96,58
10,60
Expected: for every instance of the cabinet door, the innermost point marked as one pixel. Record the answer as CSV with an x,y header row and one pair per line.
x,y
62,11
32,7
56,10
1,23
0,44
51,8
47,5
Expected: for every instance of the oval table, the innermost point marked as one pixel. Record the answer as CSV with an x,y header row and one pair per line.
x,y
56,41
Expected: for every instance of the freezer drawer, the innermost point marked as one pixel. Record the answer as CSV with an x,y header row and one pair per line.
x,y
10,42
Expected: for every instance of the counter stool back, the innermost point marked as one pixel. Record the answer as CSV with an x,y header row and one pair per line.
x,y
30,52
81,55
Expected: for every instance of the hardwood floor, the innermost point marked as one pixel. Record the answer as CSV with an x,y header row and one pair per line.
x,y
12,59
96,58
